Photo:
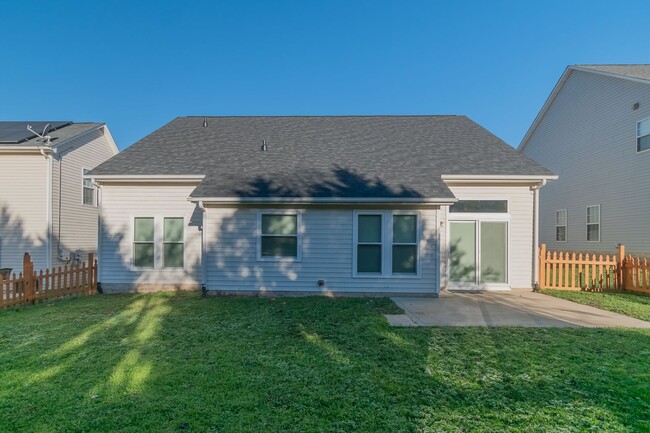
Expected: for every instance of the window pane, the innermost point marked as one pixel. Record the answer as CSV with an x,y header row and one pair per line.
x,y
143,255
593,232
593,215
369,258
643,143
173,230
173,256
493,252
404,259
462,251
279,224
643,128
369,228
477,206
89,196
404,229
560,217
144,229
88,183
560,234
279,246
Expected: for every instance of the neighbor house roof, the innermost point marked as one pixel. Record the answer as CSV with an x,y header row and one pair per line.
x,y
321,157
64,131
638,73
641,72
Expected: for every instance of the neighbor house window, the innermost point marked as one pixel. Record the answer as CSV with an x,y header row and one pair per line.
x,y
279,235
643,135
560,225
173,243
480,206
386,243
593,223
143,242
369,244
405,247
88,190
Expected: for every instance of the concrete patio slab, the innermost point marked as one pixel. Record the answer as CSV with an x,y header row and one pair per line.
x,y
516,308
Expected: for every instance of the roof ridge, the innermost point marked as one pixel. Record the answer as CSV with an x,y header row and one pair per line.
x,y
323,116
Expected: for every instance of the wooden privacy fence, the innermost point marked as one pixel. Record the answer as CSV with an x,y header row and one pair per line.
x,y
598,272
30,286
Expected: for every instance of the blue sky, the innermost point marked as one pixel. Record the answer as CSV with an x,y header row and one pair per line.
x,y
136,65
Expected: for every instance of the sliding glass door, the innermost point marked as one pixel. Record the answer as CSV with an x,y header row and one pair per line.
x,y
478,252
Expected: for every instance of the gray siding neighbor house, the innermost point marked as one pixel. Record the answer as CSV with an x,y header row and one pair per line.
x,y
348,205
594,132
46,207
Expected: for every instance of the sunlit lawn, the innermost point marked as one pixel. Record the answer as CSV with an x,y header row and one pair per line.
x,y
178,362
631,304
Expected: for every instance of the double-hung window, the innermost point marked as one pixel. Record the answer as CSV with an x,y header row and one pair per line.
x,y
405,244
153,235
643,135
173,249
386,244
279,235
560,225
369,243
143,243
88,196
593,223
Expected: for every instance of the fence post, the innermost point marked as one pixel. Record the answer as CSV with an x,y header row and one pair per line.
x,y
620,263
91,273
28,279
541,269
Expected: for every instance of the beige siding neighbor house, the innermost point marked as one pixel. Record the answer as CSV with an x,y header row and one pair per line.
x,y
594,132
356,205
46,207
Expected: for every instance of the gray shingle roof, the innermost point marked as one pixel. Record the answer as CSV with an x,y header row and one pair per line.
x,y
331,156
631,71
57,136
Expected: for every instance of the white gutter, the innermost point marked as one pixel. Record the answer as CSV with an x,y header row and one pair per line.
x,y
48,207
144,177
498,177
535,190
100,232
321,200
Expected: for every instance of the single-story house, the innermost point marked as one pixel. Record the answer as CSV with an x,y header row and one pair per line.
x,y
328,204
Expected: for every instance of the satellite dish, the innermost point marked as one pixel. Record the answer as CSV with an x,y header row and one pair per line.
x,y
42,136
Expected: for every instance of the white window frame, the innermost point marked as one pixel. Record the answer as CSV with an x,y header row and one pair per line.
x,y
163,242
566,223
636,134
299,230
84,188
134,242
587,223
158,242
477,218
386,244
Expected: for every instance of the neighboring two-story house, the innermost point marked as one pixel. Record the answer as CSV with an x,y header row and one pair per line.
x,y
46,207
594,132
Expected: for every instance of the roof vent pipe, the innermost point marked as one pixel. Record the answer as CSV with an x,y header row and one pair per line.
x,y
264,146
205,122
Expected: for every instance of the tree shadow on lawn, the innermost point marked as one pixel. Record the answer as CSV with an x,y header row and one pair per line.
x,y
165,361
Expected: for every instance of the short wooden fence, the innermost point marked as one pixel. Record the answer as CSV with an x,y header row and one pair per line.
x,y
596,272
30,286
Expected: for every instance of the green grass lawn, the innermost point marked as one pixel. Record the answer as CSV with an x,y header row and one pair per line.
x,y
628,303
179,362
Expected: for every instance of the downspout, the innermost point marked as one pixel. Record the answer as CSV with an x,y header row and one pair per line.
x,y
100,234
48,218
535,190
204,268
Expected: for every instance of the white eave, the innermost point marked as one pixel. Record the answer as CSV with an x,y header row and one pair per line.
x,y
495,179
323,200
142,178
